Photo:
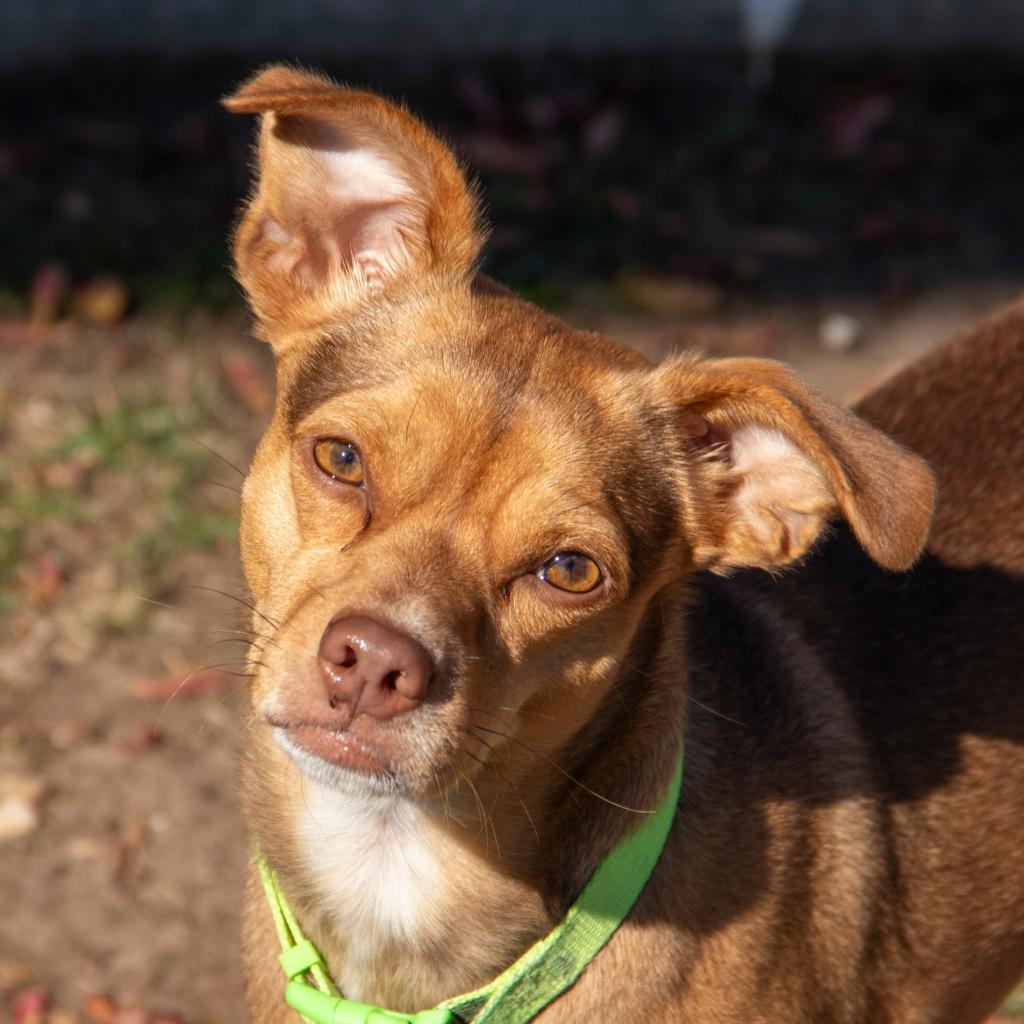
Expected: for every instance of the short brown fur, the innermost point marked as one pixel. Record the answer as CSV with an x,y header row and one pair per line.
x,y
847,842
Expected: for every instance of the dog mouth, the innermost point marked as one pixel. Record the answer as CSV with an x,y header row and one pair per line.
x,y
316,749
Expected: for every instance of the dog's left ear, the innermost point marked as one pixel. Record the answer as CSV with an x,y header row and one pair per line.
x,y
768,460
352,196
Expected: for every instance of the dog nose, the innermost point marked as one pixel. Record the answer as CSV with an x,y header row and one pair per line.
x,y
374,669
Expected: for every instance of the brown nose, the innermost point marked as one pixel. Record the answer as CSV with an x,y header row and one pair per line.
x,y
373,669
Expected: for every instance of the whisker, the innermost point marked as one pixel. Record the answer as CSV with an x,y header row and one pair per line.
x,y
235,597
265,637
712,711
184,682
412,411
511,710
485,818
226,462
508,782
693,700
248,641
554,764
222,700
217,483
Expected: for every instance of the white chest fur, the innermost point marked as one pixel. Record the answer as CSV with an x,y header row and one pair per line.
x,y
379,870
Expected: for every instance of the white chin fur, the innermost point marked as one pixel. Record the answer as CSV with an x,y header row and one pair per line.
x,y
332,776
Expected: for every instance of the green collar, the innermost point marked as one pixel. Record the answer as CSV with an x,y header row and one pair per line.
x,y
543,972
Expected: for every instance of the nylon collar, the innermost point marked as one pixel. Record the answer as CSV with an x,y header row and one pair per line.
x,y
517,995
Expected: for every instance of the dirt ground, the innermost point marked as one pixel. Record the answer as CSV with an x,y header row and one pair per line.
x,y
120,839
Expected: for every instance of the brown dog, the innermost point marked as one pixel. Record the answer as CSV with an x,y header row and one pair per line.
x,y
502,566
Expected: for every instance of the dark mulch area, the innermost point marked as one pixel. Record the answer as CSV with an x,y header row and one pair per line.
x,y
881,176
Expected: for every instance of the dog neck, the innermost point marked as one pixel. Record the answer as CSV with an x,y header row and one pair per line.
x,y
412,901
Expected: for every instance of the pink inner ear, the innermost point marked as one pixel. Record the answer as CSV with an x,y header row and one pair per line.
x,y
335,210
706,438
782,497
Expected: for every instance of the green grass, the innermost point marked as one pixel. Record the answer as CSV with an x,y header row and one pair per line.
x,y
148,450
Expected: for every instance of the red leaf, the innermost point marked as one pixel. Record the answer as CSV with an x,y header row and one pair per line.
x,y
195,684
245,378
99,1009
29,1006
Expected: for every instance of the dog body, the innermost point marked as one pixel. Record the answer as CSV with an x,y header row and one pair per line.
x,y
502,568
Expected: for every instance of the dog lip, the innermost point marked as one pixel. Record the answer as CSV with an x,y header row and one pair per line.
x,y
332,745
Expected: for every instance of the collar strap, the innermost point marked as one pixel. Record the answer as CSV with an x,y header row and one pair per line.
x,y
517,995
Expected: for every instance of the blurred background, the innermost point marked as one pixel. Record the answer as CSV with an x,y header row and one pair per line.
x,y
837,183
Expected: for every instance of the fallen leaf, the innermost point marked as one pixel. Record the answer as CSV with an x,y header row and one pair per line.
x,y
132,1017
102,302
667,295
602,131
245,378
12,975
85,848
195,684
48,294
129,843
19,804
490,151
29,1006
851,125
60,735
67,735
64,473
100,1009
141,740
44,579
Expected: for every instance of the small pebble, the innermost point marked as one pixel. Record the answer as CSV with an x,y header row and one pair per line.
x,y
839,332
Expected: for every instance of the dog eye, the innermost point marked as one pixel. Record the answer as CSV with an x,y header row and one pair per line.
x,y
339,460
571,571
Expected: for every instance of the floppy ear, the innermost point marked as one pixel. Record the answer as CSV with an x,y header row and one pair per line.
x,y
769,461
351,196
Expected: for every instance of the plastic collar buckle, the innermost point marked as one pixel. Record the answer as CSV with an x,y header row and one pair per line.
x,y
321,1008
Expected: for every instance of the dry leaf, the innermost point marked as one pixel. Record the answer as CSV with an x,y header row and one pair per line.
x,y
44,579
141,740
245,378
13,975
102,302
30,1006
19,804
175,687
47,294
669,296
99,1009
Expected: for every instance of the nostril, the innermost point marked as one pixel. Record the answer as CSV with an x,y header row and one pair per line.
x,y
371,668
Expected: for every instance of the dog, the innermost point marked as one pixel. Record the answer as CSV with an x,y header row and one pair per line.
x,y
502,568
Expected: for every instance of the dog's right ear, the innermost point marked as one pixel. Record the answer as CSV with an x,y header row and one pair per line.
x,y
352,196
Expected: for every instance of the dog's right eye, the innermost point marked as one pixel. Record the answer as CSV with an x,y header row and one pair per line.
x,y
572,572
339,460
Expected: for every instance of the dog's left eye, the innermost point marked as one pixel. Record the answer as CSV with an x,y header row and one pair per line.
x,y
571,571
339,460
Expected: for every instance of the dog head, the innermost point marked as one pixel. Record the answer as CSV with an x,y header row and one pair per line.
x,y
463,509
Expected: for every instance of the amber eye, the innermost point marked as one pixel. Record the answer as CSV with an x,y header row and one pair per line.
x,y
339,460
571,571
